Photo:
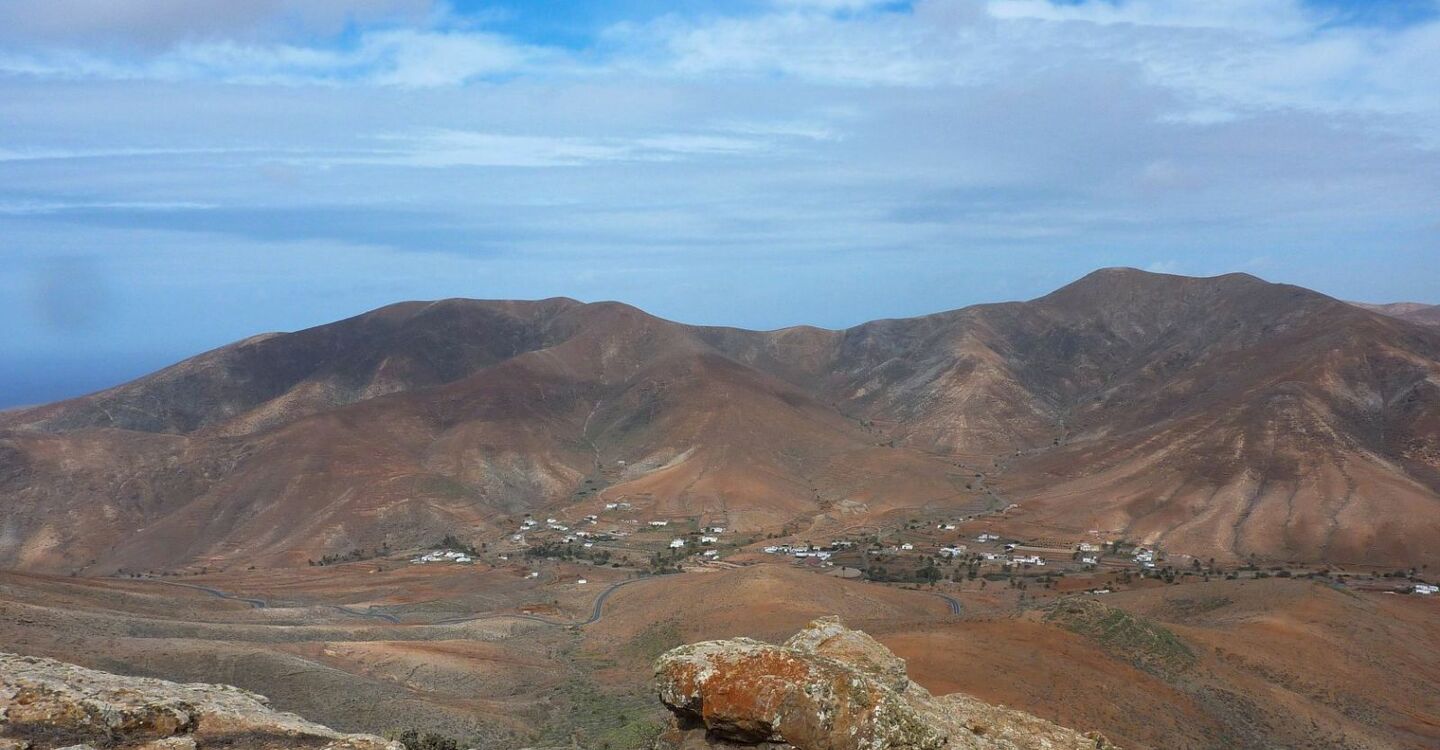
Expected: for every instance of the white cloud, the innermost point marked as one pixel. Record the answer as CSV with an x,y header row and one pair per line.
x,y
454,148
156,23
819,158
30,208
398,57
1274,18
412,58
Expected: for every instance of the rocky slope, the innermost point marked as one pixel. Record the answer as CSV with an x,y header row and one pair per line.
x,y
1415,312
49,704
1223,417
831,688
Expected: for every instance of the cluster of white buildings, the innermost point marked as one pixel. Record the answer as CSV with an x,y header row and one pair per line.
x,y
442,556
1145,557
1426,589
800,552
987,537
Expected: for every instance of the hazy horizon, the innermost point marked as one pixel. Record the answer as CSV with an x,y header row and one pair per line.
x,y
181,175
47,380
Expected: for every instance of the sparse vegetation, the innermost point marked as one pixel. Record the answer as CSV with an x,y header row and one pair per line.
x,y
1140,641
414,739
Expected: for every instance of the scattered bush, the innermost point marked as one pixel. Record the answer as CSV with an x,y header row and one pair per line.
x,y
414,739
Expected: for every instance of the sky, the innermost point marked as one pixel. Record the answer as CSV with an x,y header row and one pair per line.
x,y
179,174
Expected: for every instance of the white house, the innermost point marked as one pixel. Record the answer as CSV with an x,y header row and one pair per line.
x,y
951,551
708,540
1090,560
907,546
1426,589
659,523
677,543
988,538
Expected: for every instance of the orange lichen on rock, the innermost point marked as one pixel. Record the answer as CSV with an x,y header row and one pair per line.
x,y
829,688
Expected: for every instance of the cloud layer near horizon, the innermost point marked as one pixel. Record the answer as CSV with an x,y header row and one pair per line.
x,y
209,169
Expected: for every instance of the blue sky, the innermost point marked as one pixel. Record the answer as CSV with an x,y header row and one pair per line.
x,y
178,174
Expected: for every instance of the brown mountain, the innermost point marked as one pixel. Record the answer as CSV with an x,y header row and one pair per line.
x,y
1415,312
1223,417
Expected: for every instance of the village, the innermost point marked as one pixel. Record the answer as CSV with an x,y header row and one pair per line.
x,y
949,553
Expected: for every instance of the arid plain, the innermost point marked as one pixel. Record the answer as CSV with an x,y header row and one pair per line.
x,y
1182,512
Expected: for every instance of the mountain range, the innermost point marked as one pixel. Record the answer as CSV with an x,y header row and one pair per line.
x,y
1222,417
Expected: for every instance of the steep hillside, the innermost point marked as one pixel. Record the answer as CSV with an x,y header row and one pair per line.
x,y
1224,417
1415,312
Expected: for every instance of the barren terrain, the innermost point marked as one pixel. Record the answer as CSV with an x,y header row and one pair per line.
x,y
1193,513
1253,662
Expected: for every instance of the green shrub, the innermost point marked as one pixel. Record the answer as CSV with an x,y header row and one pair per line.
x,y
414,739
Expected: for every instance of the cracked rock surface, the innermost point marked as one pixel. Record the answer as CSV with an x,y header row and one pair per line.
x,y
47,704
831,688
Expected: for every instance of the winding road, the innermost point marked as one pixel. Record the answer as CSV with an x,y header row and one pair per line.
x,y
263,604
596,612
254,603
954,603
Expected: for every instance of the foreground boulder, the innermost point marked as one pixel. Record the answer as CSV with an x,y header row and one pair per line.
x,y
831,688
49,704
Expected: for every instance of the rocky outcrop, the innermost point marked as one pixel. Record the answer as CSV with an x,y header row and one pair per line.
x,y
831,688
49,704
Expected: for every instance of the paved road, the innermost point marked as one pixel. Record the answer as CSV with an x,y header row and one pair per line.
x,y
254,603
263,604
595,614
953,602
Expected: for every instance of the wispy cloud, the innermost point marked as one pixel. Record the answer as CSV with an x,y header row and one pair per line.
x,y
150,24
392,57
763,163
